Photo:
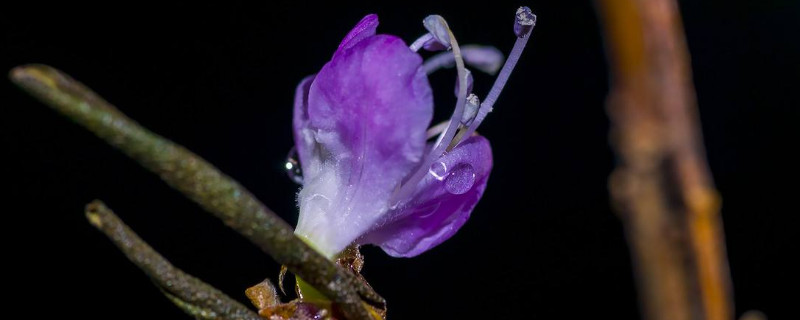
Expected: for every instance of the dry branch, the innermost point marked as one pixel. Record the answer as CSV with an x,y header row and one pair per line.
x,y
662,187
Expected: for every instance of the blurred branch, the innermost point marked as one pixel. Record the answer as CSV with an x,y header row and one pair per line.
x,y
194,296
662,186
199,181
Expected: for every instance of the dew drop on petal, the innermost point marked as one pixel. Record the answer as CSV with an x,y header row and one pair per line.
x,y
460,179
292,167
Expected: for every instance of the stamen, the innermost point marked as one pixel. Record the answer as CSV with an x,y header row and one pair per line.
x,y
436,130
417,44
471,109
470,81
526,20
437,38
470,112
523,26
437,26
484,58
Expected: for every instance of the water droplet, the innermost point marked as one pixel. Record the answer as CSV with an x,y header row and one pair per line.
x,y
438,170
460,179
292,167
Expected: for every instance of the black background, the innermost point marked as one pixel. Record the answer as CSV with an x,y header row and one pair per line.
x,y
219,79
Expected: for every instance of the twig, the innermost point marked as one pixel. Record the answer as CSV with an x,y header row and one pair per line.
x,y
662,187
199,181
194,296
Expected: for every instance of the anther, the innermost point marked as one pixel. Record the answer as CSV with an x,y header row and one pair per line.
x,y
524,23
470,109
438,28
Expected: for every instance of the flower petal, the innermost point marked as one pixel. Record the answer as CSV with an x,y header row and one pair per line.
x,y
368,26
441,204
303,136
368,111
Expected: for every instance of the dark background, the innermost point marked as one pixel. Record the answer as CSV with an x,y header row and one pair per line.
x,y
219,79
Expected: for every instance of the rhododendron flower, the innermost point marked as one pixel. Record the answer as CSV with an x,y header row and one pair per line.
x,y
361,130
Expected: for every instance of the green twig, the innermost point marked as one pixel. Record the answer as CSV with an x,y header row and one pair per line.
x,y
198,180
192,295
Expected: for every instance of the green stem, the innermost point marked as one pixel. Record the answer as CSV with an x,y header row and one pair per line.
x,y
192,295
199,181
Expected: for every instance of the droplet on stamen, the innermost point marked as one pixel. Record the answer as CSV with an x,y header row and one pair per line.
x,y
460,179
292,167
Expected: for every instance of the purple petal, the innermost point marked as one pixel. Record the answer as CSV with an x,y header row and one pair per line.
x,y
368,111
303,138
441,204
363,29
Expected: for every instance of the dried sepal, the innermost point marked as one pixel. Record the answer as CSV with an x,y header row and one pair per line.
x,y
263,295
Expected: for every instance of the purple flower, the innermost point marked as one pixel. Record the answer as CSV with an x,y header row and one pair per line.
x,y
370,175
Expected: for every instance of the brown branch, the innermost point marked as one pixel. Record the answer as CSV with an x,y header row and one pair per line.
x,y
194,296
662,187
199,181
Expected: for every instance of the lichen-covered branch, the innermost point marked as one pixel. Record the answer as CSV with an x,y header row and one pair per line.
x,y
192,295
198,180
662,186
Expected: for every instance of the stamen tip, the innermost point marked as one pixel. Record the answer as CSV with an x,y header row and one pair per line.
x,y
524,22
437,27
471,109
